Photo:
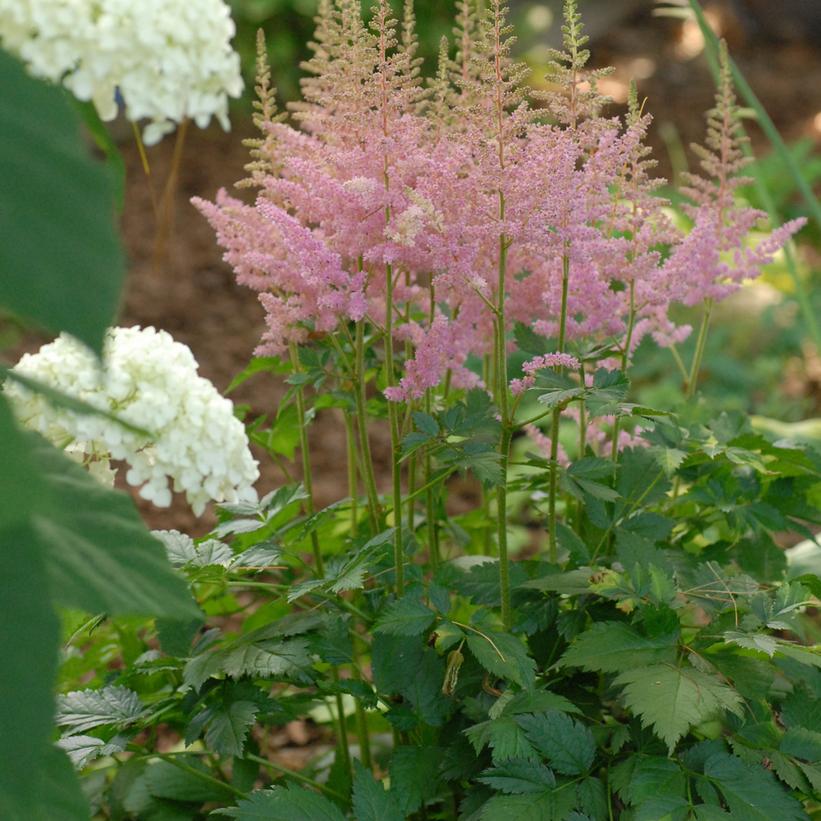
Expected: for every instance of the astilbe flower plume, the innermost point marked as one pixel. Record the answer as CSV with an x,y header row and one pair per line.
x,y
718,255
460,197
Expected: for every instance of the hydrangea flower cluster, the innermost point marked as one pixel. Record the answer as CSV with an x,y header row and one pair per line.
x,y
168,60
437,212
151,382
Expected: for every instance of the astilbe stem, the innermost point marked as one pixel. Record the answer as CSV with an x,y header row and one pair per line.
x,y
374,507
553,551
307,476
396,446
353,491
504,443
307,480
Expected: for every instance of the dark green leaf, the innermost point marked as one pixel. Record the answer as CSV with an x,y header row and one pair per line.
x,y
519,777
60,260
414,776
611,647
504,655
229,726
100,557
672,699
751,792
407,616
567,743
371,802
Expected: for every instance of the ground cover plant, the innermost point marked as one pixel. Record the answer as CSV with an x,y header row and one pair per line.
x,y
609,628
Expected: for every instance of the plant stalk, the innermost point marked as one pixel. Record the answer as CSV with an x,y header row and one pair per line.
x,y
552,544
393,419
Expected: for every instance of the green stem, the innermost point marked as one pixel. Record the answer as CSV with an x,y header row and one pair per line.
x,y
679,362
362,427
193,771
393,419
701,344
504,444
430,507
296,776
553,552
353,485
307,476
582,448
625,355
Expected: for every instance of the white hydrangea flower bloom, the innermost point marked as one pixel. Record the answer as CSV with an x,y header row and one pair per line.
x,y
150,381
167,59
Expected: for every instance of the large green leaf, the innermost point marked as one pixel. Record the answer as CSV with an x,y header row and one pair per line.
x,y
611,646
85,709
672,699
371,802
60,260
751,792
284,804
567,744
29,640
100,556
504,656
28,649
407,616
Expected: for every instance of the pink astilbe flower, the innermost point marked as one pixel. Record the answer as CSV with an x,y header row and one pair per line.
x,y
532,366
469,205
717,256
542,442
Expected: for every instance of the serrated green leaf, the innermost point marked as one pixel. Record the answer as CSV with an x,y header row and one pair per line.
x,y
228,728
503,655
266,658
751,792
407,616
567,743
183,551
371,802
518,777
611,647
546,806
506,739
414,775
653,776
394,661
83,710
671,699
802,743
422,688
333,642
82,749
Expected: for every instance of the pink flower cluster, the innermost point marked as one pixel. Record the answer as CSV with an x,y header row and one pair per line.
x,y
530,368
435,189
